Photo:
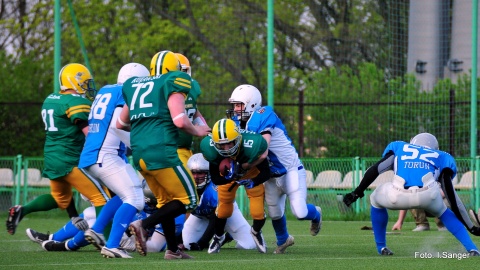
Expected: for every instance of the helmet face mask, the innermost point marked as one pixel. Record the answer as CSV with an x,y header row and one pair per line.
x,y
200,169
78,78
164,62
226,137
426,140
249,96
184,63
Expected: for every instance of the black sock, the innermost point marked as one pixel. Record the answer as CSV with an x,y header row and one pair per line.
x,y
71,210
170,210
258,224
220,226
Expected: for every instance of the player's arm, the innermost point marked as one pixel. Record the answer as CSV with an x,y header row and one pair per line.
x,y
123,135
456,204
198,119
385,164
123,121
82,125
217,178
264,174
176,105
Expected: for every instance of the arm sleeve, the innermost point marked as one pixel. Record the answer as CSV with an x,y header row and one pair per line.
x,y
455,203
217,179
264,174
385,164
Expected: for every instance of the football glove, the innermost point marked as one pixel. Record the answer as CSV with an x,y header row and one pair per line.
x,y
80,223
475,230
236,171
248,183
350,198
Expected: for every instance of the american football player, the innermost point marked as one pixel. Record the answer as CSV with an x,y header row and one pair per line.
x,y
154,111
288,176
65,116
198,229
185,139
249,167
421,172
104,158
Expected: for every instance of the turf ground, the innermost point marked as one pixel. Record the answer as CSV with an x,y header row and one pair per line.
x,y
340,245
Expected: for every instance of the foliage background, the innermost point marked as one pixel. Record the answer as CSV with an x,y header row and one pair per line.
x,y
340,77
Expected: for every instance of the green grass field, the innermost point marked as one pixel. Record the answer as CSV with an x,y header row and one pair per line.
x,y
340,245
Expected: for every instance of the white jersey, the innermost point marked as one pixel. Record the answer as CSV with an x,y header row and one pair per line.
x,y
282,155
102,139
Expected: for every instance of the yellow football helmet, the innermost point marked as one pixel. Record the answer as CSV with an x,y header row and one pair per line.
x,y
77,77
184,63
163,62
226,131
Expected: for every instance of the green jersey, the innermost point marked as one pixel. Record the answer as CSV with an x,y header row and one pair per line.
x,y
64,139
185,140
252,146
154,136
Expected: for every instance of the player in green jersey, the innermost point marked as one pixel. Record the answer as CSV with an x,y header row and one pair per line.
x,y
65,116
185,140
249,167
154,112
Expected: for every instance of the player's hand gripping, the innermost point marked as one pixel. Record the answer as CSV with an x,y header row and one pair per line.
x,y
80,223
236,171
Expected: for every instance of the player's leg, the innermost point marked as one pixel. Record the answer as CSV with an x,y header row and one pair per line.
x,y
193,230
295,186
179,186
226,197
380,200
256,196
275,199
239,228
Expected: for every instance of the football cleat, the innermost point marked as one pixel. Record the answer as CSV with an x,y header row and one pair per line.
x,y
14,217
140,234
94,238
421,228
216,244
315,227
386,252
259,241
52,245
228,239
170,255
473,253
114,253
38,237
281,249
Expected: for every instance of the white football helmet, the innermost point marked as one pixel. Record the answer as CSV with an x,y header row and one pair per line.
x,y
198,164
250,96
426,140
132,70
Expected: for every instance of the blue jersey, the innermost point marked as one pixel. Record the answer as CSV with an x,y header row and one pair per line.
x,y
412,162
282,155
101,139
208,202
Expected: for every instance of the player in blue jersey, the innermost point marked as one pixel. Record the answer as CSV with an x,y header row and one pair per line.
x,y
288,174
421,172
103,157
199,228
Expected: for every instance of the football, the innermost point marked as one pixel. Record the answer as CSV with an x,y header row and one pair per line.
x,y
224,166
